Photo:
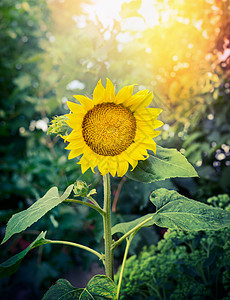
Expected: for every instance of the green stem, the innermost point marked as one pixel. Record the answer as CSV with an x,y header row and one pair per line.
x,y
128,242
93,201
136,228
97,208
107,227
75,245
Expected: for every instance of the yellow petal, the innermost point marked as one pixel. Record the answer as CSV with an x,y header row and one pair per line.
x,y
85,163
126,157
137,152
85,101
124,94
75,152
109,91
142,133
148,128
154,123
136,98
98,93
75,124
122,168
141,102
88,160
74,107
152,147
93,161
75,119
143,140
103,165
147,113
75,116
75,144
112,162
74,135
64,137
150,132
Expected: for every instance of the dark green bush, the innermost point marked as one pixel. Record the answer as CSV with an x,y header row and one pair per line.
x,y
183,265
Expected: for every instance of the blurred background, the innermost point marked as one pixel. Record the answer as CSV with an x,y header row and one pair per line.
x,y
53,49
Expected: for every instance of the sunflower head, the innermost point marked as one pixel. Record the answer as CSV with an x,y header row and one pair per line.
x,y
112,131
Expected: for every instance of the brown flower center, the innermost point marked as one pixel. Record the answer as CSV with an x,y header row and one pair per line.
x,y
109,128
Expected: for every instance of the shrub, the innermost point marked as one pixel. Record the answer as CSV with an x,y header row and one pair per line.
x,y
183,265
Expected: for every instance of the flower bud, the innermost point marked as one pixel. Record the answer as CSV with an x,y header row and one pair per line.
x,y
81,189
58,126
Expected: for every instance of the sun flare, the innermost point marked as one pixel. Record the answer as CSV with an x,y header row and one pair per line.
x,y
147,13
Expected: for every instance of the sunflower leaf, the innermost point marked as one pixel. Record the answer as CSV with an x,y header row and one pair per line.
x,y
127,226
11,265
99,287
177,211
167,163
62,289
26,218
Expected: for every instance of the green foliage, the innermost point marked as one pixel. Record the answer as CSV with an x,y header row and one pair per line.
x,y
11,265
220,201
63,290
26,218
173,211
20,35
206,145
183,265
127,226
99,287
179,212
167,163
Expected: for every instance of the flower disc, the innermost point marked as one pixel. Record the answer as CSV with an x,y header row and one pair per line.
x,y
109,128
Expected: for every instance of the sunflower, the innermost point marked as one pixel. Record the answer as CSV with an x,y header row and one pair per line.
x,y
112,131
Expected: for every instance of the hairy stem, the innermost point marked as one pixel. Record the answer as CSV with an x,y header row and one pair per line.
x,y
107,227
93,201
75,245
97,208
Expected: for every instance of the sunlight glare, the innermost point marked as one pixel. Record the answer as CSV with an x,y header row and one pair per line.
x,y
150,13
107,11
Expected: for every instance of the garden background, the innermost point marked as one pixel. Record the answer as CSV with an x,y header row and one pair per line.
x,y
51,50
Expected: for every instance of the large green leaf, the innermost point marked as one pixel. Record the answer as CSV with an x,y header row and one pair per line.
x,y
99,287
167,163
127,226
26,218
11,265
177,211
62,289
